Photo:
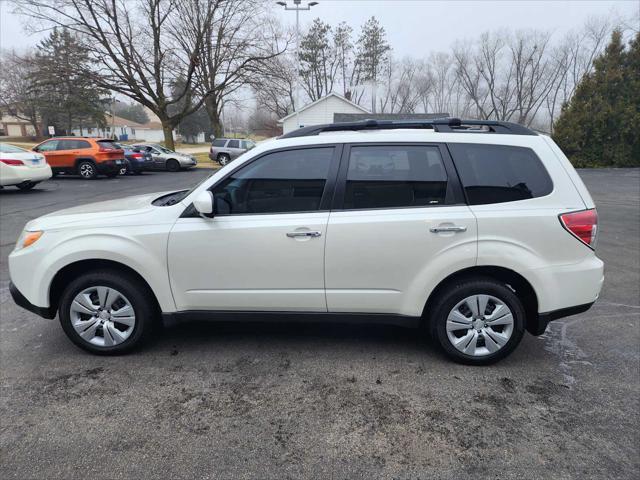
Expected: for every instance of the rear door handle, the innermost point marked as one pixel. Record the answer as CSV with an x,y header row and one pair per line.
x,y
448,229
303,234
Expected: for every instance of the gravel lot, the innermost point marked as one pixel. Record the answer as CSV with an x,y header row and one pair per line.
x,y
323,401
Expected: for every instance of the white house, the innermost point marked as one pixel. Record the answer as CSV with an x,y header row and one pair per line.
x,y
124,129
319,112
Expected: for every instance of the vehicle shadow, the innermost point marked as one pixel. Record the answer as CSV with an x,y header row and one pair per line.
x,y
203,333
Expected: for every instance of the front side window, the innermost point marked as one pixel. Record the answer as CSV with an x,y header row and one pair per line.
x,y
279,182
395,176
500,173
219,142
49,146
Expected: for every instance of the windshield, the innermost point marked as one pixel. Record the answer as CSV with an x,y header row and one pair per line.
x,y
175,197
161,148
4,148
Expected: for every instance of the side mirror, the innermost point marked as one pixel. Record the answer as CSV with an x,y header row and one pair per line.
x,y
203,203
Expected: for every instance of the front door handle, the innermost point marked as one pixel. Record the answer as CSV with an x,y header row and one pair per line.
x,y
448,229
303,234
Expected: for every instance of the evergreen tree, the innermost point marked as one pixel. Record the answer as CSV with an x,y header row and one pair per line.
x,y
600,125
373,54
131,111
67,96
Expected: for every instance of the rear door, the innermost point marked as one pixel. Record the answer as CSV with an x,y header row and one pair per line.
x,y
234,148
398,222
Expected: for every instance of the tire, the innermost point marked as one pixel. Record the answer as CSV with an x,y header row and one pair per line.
x,y
119,337
478,342
27,186
224,159
87,170
173,165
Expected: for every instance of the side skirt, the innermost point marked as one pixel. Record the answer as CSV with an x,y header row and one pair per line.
x,y
289,317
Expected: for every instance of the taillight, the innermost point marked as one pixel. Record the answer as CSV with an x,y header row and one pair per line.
x,y
12,162
136,155
583,225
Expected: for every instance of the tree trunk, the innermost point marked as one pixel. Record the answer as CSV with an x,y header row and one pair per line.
x,y
167,129
211,105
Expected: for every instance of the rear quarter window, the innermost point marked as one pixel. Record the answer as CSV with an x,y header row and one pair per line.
x,y
500,173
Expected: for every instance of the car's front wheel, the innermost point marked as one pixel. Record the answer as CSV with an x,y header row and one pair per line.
x,y
173,165
478,321
106,312
27,185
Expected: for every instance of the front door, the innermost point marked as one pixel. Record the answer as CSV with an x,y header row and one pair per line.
x,y
399,222
264,248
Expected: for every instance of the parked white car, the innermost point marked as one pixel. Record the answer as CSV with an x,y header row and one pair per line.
x,y
481,230
22,168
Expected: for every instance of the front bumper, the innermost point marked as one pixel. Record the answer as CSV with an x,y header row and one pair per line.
x,y
20,300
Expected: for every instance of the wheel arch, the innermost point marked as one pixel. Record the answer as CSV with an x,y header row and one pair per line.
x,y
72,270
520,285
84,158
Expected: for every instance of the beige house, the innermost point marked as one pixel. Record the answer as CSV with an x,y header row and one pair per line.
x,y
11,126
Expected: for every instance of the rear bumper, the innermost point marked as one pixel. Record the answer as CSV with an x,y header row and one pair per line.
x,y
17,175
538,325
20,300
110,166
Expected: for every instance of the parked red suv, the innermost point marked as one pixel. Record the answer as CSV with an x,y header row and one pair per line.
x,y
86,157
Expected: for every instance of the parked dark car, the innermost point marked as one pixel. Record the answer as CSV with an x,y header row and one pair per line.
x,y
137,160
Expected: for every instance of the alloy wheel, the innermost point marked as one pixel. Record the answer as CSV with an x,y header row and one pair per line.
x,y
102,316
86,170
480,325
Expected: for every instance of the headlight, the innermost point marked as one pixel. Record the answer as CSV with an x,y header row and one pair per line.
x,y
28,238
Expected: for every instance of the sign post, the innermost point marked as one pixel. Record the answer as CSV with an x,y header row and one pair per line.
x,y
52,130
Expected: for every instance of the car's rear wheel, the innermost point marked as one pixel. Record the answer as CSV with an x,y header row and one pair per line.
x,y
223,159
478,321
106,312
87,170
173,165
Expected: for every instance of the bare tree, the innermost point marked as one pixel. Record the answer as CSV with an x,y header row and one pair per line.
x,y
241,43
18,97
401,94
274,86
138,48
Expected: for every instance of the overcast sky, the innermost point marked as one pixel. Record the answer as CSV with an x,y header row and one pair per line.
x,y
417,27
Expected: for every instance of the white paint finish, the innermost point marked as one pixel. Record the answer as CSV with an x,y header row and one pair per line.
x,y
382,261
247,262
320,112
387,260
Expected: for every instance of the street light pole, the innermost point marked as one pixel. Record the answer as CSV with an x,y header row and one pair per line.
x,y
297,8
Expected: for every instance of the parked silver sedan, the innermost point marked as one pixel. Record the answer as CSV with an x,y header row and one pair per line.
x,y
165,159
224,150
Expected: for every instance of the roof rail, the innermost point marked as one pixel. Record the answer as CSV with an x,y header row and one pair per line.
x,y
443,125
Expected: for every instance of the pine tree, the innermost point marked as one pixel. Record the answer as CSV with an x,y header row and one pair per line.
x,y
67,96
373,54
600,126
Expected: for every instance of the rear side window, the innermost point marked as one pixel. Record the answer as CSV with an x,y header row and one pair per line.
x,y
279,182
108,145
395,176
500,173
79,144
234,144
219,142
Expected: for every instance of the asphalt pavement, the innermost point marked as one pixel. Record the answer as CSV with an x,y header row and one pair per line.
x,y
323,401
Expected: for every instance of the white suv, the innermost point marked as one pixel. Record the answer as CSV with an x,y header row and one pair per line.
x,y
480,230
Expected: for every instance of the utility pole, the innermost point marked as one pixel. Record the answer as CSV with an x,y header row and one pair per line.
x,y
297,8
